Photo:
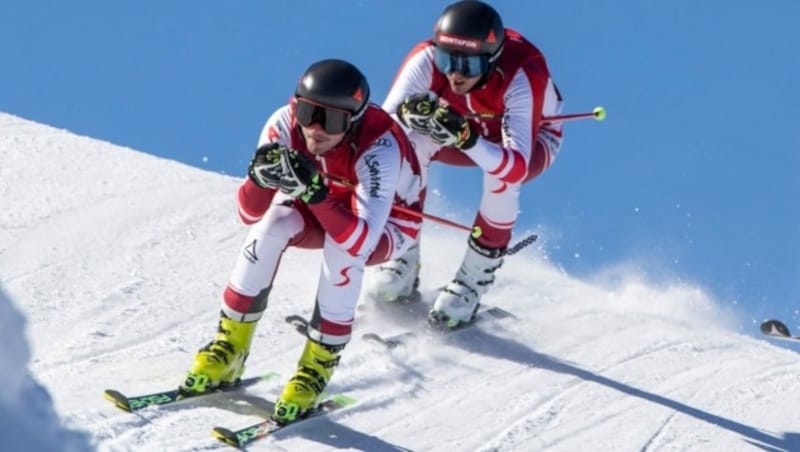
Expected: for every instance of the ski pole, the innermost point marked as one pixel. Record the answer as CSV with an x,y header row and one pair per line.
x,y
475,232
598,114
406,210
435,219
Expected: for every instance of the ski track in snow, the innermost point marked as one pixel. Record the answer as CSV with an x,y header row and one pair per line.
x,y
120,270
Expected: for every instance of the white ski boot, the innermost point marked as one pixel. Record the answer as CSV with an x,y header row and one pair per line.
x,y
397,279
458,302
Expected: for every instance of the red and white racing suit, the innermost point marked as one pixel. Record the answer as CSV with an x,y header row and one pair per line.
x,y
373,168
506,109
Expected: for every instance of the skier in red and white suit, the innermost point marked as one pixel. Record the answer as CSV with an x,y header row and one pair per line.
x,y
474,95
327,172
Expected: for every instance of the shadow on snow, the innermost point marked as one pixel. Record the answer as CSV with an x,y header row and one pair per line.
x,y
478,341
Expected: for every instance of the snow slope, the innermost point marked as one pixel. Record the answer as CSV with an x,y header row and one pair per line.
x,y
117,259
27,418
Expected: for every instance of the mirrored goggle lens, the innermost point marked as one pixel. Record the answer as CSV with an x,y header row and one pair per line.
x,y
466,65
332,120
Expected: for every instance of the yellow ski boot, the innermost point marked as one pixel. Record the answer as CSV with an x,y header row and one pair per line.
x,y
304,390
221,361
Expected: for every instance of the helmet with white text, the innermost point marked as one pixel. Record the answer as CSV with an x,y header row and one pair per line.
x,y
469,38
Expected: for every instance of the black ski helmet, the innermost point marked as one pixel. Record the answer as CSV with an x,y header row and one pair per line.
x,y
335,83
471,28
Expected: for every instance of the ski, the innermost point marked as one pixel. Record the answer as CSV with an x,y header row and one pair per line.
x,y
299,323
389,342
396,340
247,435
136,403
777,329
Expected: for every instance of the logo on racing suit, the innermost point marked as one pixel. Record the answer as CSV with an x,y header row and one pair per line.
x,y
250,252
346,277
374,175
399,237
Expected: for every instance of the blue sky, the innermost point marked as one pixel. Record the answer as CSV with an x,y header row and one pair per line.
x,y
695,175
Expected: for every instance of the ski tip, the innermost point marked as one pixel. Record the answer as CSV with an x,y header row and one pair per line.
x,y
499,313
226,436
118,399
775,328
299,323
269,376
295,318
391,342
372,337
342,400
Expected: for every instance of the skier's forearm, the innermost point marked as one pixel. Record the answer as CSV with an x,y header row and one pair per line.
x,y
253,201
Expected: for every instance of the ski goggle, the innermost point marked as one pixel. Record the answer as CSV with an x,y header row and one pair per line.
x,y
466,65
333,120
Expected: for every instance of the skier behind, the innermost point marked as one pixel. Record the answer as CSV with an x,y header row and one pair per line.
x,y
327,170
474,95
